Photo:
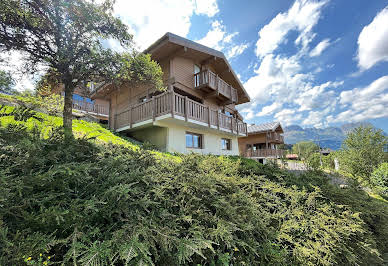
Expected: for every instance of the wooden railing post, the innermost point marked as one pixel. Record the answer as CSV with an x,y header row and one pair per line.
x,y
208,115
153,108
217,84
186,108
218,119
130,117
231,124
237,126
172,104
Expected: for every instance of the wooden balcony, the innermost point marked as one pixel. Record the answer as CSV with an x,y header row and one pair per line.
x,y
263,153
90,108
210,83
275,137
180,107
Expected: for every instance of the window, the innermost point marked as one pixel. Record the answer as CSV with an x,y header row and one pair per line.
x,y
226,144
193,140
77,97
197,69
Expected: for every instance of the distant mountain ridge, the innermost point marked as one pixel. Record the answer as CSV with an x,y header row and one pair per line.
x,y
330,137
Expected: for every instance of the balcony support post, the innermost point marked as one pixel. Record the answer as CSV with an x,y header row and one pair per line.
x,y
186,108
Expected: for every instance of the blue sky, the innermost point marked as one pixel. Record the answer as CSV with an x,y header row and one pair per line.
x,y
306,62
311,63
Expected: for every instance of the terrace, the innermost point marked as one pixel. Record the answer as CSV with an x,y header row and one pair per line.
x,y
173,105
212,85
90,108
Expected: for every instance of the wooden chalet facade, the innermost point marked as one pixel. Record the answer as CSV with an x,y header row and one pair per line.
x,y
197,111
262,141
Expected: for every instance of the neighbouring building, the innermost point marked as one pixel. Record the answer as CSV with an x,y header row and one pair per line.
x,y
83,105
262,142
197,112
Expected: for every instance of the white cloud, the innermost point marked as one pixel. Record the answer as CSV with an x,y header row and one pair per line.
x,y
317,96
288,116
320,48
301,17
364,103
279,82
236,50
269,109
151,19
218,38
206,7
373,41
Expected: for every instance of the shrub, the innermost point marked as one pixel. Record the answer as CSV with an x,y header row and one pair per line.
x,y
379,179
81,201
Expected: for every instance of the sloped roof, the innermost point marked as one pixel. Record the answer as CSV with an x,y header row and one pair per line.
x,y
272,126
183,42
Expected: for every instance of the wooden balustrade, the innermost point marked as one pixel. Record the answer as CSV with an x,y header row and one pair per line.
x,y
264,153
211,80
90,107
275,137
176,104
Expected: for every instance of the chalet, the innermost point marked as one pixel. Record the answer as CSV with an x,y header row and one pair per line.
x,y
197,111
262,142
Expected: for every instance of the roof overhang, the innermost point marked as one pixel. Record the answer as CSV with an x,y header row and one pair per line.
x,y
275,127
170,44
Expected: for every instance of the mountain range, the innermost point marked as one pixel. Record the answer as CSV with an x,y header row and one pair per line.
x,y
330,137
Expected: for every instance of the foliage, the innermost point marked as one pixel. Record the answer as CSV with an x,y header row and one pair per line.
x,y
6,82
66,37
314,161
305,149
379,179
51,104
328,160
373,212
90,201
362,152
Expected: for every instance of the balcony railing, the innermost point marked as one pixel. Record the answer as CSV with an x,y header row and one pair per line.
x,y
207,78
178,105
90,108
264,153
275,137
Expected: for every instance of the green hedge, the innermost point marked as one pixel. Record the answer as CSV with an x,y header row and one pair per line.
x,y
88,202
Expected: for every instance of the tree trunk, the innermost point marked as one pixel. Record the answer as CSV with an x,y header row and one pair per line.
x,y
68,111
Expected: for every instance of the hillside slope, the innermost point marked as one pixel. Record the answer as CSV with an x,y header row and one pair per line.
x,y
100,199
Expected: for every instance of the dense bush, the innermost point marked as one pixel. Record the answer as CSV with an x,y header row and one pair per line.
x,y
82,201
379,179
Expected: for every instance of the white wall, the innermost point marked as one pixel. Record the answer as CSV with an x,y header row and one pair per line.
x,y
176,140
